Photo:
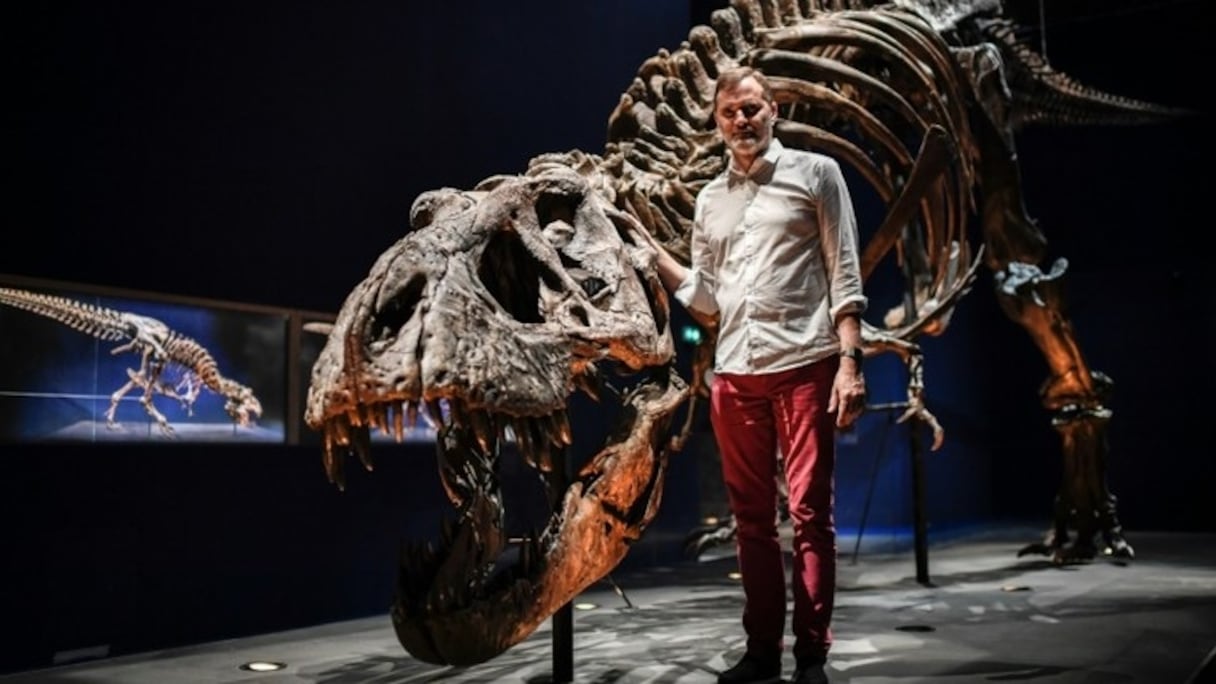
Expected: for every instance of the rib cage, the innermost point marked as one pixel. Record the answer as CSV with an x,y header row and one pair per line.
x,y
876,89
190,354
892,90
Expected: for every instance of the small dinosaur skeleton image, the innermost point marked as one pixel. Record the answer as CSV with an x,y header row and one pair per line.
x,y
160,349
502,301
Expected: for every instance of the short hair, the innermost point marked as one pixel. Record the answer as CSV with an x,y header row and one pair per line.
x,y
736,75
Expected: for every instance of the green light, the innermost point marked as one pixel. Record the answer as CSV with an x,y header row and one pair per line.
x,y
691,334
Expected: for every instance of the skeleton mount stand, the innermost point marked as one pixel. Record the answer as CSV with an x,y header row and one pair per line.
x,y
563,620
914,414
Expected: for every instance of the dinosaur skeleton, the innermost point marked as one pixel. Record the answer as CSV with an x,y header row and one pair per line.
x,y
504,300
159,347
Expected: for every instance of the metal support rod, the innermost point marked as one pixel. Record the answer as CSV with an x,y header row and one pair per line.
x,y
563,619
919,532
921,545
563,644
882,443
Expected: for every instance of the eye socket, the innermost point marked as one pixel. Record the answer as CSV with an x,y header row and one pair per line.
x,y
555,206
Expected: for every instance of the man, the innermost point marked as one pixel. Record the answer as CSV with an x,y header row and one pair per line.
x,y
774,257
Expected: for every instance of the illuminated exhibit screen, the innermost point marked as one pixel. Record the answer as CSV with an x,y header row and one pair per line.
x,y
77,366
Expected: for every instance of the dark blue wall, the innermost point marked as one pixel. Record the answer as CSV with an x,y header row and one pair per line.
x,y
267,152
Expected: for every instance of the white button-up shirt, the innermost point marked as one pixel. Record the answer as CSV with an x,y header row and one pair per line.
x,y
775,255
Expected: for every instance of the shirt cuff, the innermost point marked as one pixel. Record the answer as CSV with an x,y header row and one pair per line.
x,y
693,294
852,305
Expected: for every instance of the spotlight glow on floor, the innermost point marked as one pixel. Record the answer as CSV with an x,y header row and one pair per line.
x,y
263,666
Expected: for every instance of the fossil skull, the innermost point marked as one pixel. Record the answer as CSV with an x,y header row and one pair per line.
x,y
488,315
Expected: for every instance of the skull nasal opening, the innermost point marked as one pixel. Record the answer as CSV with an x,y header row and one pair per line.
x,y
393,312
513,276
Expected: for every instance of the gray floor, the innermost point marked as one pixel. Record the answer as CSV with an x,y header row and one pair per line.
x,y
985,616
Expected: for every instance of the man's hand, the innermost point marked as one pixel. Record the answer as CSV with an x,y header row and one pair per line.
x,y
645,251
670,271
848,399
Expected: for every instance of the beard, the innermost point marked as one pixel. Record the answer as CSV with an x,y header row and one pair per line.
x,y
749,142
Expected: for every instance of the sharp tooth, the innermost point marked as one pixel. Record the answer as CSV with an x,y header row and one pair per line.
x,y
458,413
411,415
483,428
381,417
399,422
523,440
434,411
588,383
541,442
549,430
544,455
562,421
363,446
341,431
333,458
327,452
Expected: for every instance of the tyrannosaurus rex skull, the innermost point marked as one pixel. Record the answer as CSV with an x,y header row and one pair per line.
x,y
497,306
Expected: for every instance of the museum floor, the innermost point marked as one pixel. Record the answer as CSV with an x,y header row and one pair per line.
x,y
985,615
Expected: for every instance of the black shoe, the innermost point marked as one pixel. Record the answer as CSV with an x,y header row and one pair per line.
x,y
752,670
810,674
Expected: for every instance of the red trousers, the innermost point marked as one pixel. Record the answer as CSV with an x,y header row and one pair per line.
x,y
755,417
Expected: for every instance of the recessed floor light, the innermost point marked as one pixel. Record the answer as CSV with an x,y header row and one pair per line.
x,y
263,666
586,606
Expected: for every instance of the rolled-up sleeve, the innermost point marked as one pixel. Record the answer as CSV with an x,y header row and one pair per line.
x,y
698,289
838,234
694,293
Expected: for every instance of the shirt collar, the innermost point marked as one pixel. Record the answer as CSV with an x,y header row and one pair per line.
x,y
761,164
